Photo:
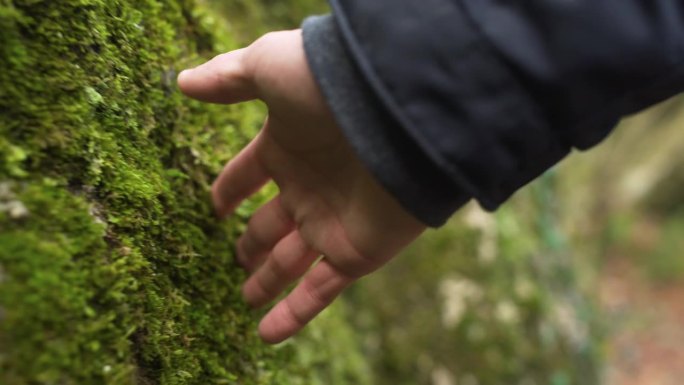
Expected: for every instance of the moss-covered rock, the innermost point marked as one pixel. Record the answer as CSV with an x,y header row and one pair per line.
x,y
112,268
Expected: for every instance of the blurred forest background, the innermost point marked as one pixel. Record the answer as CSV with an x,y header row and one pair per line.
x,y
579,279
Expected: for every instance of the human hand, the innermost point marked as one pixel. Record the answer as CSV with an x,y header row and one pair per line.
x,y
328,203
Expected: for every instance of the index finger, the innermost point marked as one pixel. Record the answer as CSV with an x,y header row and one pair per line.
x,y
243,176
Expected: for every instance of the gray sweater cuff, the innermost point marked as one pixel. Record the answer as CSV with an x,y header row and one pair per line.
x,y
381,143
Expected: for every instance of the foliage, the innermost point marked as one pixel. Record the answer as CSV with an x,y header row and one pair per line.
x,y
485,300
249,19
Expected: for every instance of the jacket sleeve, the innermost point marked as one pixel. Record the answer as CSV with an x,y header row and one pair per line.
x,y
448,100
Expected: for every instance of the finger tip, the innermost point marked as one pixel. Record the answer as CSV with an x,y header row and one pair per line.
x,y
220,214
221,211
247,296
182,79
184,74
241,258
269,334
277,326
243,292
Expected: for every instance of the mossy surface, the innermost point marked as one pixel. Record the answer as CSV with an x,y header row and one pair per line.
x,y
112,268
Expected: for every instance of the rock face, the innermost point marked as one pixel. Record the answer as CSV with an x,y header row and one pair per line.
x,y
112,270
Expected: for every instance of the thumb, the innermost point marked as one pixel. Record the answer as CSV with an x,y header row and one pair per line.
x,y
223,79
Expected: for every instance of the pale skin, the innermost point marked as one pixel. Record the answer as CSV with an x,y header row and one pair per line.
x,y
328,204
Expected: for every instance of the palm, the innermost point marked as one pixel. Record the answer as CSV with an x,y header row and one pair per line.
x,y
328,203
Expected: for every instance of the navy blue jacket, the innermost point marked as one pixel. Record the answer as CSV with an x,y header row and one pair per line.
x,y
449,100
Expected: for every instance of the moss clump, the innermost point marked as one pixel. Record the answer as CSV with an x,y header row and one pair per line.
x,y
112,270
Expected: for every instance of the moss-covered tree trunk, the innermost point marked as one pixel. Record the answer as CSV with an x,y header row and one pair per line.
x,y
112,270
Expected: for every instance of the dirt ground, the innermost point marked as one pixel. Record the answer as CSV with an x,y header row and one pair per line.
x,y
646,323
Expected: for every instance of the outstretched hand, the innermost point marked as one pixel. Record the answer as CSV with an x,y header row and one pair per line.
x,y
328,203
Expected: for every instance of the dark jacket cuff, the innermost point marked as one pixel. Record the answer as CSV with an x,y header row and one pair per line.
x,y
390,154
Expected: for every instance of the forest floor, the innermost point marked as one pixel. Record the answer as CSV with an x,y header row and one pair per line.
x,y
646,325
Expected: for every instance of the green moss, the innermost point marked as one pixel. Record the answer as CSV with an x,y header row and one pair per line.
x,y
112,268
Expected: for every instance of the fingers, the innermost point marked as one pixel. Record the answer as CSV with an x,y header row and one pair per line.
x,y
290,259
241,177
267,226
224,79
316,291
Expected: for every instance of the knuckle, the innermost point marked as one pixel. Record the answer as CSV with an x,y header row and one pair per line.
x,y
268,290
255,239
354,265
279,269
281,214
288,203
296,318
351,271
317,298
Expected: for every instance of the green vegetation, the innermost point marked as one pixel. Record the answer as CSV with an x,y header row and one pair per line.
x,y
486,300
632,187
112,270
249,19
